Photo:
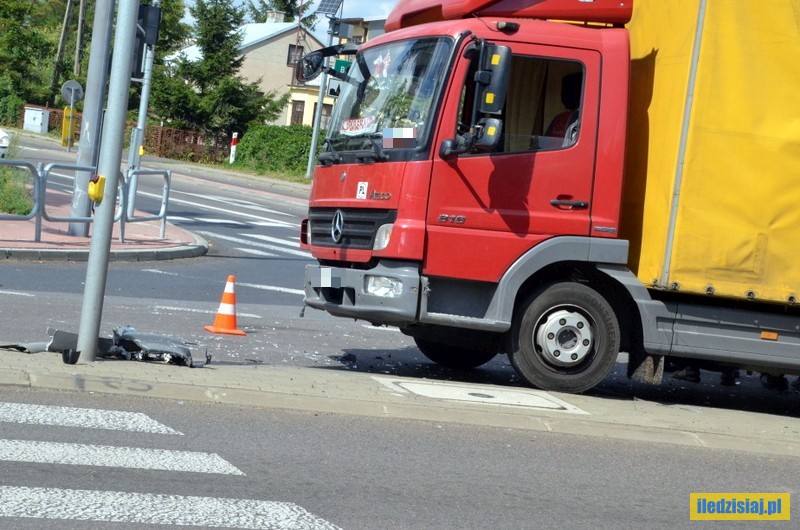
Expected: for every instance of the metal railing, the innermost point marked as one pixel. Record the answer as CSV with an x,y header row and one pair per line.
x,y
123,215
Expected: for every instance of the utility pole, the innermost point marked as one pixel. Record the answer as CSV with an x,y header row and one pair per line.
x,y
320,102
93,104
109,167
62,44
76,66
137,135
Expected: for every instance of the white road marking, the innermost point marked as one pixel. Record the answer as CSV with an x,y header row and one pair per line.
x,y
212,221
111,456
156,271
262,237
226,211
236,202
153,509
273,288
17,293
265,246
114,420
201,311
273,225
257,252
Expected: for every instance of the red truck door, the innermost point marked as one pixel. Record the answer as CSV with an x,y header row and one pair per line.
x,y
486,209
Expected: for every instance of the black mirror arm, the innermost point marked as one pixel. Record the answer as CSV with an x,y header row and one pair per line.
x,y
462,143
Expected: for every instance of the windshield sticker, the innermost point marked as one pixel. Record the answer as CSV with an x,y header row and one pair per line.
x,y
356,126
381,64
361,193
399,137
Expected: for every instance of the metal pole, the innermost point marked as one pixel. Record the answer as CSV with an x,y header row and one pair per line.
x,y
109,166
76,67
62,45
137,140
318,115
92,112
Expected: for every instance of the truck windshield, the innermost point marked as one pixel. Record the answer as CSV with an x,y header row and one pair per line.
x,y
388,98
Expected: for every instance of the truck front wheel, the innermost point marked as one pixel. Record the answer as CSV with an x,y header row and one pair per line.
x,y
566,338
453,356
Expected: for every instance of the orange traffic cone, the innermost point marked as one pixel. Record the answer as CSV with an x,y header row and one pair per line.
x,y
226,314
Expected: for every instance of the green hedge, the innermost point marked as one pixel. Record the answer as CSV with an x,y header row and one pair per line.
x,y
10,108
276,148
15,197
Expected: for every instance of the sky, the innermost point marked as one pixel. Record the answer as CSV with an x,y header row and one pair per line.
x,y
350,9
355,9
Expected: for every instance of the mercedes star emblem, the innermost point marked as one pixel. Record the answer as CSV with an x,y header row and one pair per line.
x,y
337,226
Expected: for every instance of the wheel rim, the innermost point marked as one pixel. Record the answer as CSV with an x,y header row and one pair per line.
x,y
563,337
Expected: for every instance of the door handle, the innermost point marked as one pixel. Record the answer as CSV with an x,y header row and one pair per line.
x,y
569,205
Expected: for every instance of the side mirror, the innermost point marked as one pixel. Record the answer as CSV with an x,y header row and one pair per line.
x,y
495,69
309,67
489,132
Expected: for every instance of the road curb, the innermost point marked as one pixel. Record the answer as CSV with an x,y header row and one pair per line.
x,y
191,250
357,394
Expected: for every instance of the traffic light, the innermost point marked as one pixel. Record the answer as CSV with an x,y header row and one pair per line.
x,y
149,19
146,35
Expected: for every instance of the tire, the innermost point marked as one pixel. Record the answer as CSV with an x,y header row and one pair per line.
x,y
566,338
453,356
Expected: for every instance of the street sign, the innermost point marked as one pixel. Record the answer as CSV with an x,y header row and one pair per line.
x,y
334,87
72,92
341,66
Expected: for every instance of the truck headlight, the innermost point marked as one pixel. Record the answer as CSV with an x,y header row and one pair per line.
x,y
382,237
384,286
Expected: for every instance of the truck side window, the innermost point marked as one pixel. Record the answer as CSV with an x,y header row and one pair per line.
x,y
542,110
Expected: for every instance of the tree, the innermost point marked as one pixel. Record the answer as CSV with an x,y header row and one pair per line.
x,y
292,9
23,50
209,95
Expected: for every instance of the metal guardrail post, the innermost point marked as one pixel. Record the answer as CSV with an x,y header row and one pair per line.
x,y
38,197
123,198
39,201
162,213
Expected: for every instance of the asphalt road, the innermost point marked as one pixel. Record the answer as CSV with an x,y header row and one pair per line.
x,y
351,472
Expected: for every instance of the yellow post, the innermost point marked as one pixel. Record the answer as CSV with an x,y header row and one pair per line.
x,y
67,127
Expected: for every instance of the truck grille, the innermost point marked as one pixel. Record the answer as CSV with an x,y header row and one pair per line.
x,y
358,229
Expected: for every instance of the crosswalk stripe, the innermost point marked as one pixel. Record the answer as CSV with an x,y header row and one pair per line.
x,y
265,246
226,211
80,417
153,509
273,225
112,456
236,202
257,252
262,237
215,221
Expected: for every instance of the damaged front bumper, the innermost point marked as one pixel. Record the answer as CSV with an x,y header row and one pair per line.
x,y
385,294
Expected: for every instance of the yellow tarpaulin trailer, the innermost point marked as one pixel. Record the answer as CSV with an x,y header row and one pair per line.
x,y
712,200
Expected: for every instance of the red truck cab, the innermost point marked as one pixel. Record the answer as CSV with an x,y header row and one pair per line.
x,y
432,208
471,191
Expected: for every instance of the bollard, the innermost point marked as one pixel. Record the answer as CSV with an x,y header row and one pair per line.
x,y
234,141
